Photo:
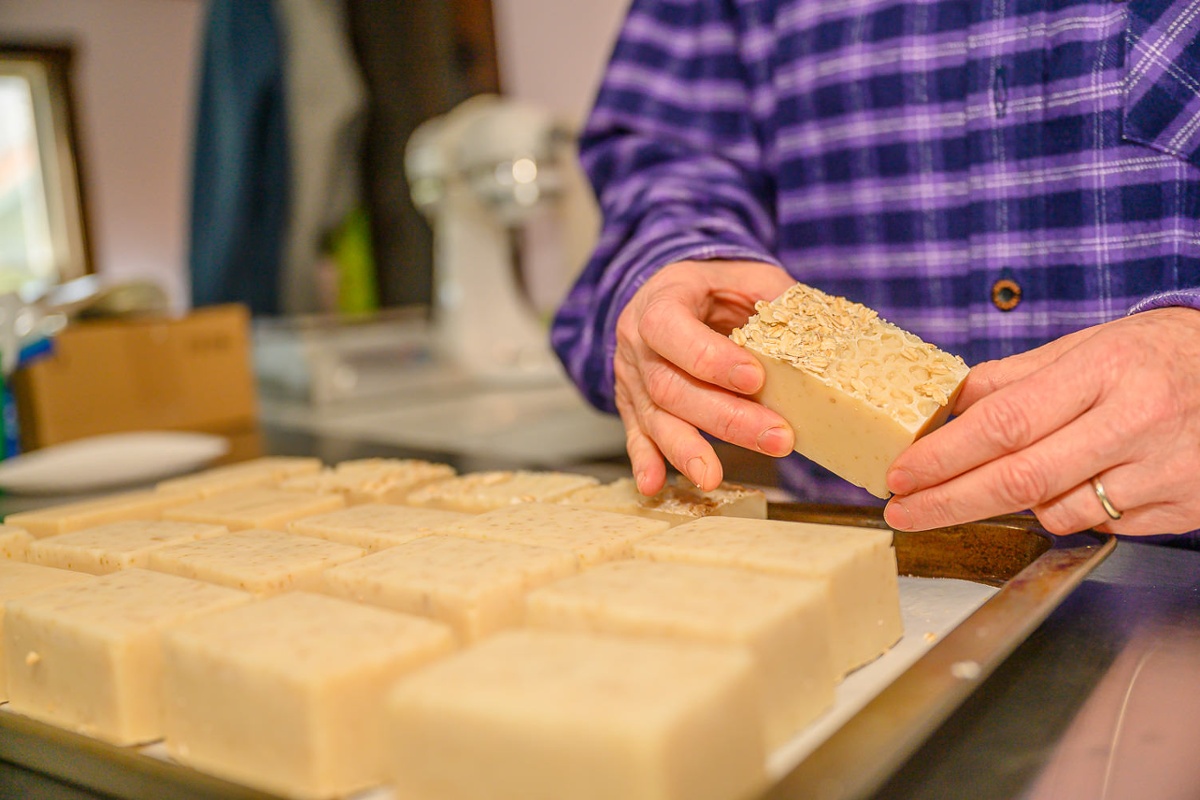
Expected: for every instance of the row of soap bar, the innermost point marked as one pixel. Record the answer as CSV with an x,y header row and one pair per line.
x,y
280,488
278,693
266,561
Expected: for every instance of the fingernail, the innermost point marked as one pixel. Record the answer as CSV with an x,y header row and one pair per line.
x,y
640,480
776,441
745,378
901,481
897,516
697,471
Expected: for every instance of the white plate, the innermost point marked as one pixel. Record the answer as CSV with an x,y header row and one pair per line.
x,y
109,461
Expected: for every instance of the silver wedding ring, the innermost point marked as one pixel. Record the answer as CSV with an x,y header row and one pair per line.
x,y
1102,496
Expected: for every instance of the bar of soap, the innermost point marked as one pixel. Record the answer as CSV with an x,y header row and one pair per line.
x,y
678,502
372,480
88,657
375,526
286,694
545,714
75,516
14,542
477,492
783,622
242,509
256,473
476,587
856,390
263,562
858,563
18,579
592,536
117,545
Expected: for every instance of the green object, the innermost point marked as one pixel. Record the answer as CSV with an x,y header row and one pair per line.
x,y
350,247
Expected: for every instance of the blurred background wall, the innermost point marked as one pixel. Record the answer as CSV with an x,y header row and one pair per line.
x,y
134,82
551,52
134,74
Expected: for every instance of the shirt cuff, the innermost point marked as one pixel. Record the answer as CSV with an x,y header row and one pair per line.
x,y
1186,298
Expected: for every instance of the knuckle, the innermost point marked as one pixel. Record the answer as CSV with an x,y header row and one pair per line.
x,y
664,387
1113,359
1007,425
703,358
988,374
629,321
635,407
682,451
1055,518
622,401
938,509
730,423
644,408
653,318
1022,482
624,372
1129,425
1159,404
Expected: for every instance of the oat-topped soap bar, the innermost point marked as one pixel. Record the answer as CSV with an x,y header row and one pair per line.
x,y
856,389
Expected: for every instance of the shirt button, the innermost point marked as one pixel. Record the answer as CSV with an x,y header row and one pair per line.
x,y
1006,294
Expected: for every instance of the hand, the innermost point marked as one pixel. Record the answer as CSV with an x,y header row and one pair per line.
x,y
677,373
1120,401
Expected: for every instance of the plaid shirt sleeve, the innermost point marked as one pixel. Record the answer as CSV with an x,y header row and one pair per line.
x,y
676,164
1162,103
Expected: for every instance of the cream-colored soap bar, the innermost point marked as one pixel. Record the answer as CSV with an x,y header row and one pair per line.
x,y
678,502
241,509
118,545
101,511
259,472
88,656
263,562
856,390
858,563
372,480
17,580
476,587
545,714
375,526
783,622
286,694
477,492
592,536
14,542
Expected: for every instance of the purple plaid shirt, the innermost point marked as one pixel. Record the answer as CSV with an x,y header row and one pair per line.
x,y
908,155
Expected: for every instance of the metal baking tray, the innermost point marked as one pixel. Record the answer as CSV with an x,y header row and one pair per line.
x,y
1033,570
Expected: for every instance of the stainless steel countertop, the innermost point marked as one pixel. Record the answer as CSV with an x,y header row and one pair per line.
x,y
1099,702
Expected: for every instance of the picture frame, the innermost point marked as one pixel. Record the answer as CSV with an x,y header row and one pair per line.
x,y
43,221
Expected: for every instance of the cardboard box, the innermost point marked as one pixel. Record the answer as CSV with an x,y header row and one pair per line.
x,y
190,373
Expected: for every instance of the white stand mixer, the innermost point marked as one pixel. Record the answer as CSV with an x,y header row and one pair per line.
x,y
484,174
477,173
